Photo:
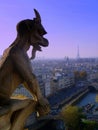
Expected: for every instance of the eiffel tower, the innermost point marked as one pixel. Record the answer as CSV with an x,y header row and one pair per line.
x,y
78,54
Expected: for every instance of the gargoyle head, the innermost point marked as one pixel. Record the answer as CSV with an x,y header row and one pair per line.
x,y
33,31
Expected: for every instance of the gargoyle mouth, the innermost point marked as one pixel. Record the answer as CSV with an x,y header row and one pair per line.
x,y
43,42
37,47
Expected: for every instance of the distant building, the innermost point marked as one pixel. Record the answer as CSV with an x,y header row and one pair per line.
x,y
47,87
62,80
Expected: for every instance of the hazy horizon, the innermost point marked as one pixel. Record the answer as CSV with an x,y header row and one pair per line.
x,y
69,24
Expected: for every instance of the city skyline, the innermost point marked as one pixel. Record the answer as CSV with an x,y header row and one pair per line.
x,y
69,24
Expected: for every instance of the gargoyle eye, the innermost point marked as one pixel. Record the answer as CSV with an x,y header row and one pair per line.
x,y
42,32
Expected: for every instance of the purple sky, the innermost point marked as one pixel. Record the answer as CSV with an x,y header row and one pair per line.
x,y
69,23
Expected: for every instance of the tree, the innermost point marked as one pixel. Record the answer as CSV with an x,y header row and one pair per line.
x,y
72,117
83,74
77,75
80,75
90,125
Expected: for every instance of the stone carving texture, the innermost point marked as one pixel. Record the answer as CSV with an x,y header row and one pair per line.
x,y
15,69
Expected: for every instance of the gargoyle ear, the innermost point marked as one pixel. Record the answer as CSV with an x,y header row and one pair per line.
x,y
38,18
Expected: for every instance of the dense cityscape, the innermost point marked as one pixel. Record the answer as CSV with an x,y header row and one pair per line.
x,y
63,80
54,75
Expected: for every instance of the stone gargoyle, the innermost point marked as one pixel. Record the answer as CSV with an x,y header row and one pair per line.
x,y
15,69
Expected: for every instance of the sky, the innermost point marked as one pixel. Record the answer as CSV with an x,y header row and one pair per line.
x,y
69,23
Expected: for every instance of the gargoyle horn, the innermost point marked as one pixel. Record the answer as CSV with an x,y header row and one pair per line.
x,y
37,15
